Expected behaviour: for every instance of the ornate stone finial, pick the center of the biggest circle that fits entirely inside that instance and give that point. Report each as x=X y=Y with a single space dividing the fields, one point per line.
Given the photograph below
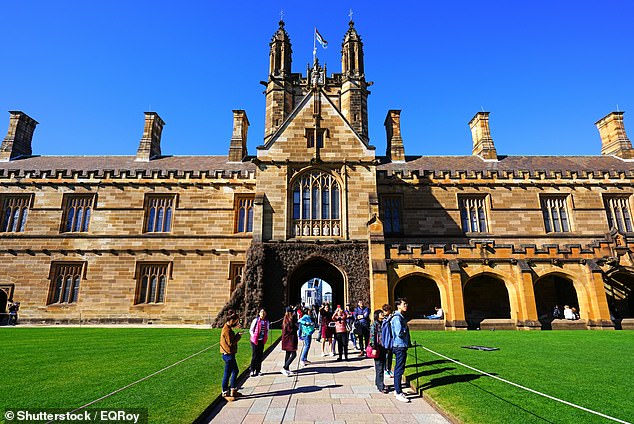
x=317 y=75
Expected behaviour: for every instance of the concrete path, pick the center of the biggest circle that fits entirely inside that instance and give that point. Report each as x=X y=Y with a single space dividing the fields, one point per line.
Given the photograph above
x=326 y=391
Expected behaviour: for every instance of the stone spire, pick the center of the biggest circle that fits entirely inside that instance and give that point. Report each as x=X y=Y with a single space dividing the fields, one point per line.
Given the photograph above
x=614 y=140
x=279 y=94
x=19 y=136
x=354 y=92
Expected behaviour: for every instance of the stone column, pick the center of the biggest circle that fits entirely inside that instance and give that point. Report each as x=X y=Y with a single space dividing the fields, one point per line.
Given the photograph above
x=455 y=319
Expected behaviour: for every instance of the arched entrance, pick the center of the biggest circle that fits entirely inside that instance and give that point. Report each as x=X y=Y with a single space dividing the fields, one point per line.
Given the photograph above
x=552 y=290
x=422 y=295
x=3 y=301
x=320 y=269
x=485 y=296
x=619 y=289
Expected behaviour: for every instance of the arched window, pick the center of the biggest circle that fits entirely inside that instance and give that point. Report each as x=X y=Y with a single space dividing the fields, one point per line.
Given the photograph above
x=316 y=203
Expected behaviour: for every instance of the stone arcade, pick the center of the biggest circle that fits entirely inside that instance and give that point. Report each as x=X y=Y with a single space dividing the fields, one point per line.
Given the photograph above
x=497 y=241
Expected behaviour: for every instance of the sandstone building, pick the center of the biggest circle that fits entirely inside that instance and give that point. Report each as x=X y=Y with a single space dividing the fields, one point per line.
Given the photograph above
x=493 y=239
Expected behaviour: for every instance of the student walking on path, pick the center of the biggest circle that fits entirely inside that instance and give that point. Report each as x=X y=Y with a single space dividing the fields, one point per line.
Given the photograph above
x=400 y=343
x=306 y=329
x=341 y=319
x=377 y=345
x=259 y=332
x=289 y=340
x=228 y=348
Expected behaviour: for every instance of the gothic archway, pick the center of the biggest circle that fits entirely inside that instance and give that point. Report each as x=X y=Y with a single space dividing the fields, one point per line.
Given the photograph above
x=619 y=290
x=422 y=294
x=551 y=290
x=321 y=269
x=3 y=301
x=485 y=296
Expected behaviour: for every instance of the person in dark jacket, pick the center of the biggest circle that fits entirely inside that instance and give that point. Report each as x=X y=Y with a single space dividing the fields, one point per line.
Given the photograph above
x=289 y=340
x=377 y=344
x=362 y=325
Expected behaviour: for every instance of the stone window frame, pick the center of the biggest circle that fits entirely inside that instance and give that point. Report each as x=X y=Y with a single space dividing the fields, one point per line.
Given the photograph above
x=166 y=201
x=14 y=202
x=552 y=202
x=483 y=209
x=319 y=133
x=145 y=294
x=236 y=274
x=621 y=204
x=384 y=215
x=65 y=282
x=243 y=202
x=336 y=227
x=84 y=202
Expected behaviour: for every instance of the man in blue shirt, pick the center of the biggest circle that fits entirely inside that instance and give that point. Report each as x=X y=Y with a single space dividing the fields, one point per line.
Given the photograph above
x=362 y=327
x=400 y=343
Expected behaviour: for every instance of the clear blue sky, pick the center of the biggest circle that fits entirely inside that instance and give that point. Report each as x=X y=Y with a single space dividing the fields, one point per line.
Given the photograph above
x=546 y=70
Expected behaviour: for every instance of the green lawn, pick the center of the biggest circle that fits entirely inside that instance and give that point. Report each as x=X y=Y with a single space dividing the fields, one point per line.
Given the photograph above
x=69 y=367
x=593 y=369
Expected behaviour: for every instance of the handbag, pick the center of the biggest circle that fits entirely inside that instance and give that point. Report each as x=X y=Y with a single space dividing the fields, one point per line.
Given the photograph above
x=371 y=352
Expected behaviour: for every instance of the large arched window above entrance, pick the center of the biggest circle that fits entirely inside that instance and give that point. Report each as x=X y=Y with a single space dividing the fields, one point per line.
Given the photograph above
x=316 y=205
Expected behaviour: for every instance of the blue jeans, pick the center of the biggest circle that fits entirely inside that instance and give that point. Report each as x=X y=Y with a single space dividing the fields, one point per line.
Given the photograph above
x=231 y=369
x=307 y=340
x=400 y=356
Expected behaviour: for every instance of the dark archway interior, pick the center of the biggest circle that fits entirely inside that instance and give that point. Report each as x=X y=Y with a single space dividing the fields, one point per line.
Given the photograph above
x=422 y=295
x=619 y=289
x=3 y=301
x=485 y=297
x=553 y=290
x=316 y=268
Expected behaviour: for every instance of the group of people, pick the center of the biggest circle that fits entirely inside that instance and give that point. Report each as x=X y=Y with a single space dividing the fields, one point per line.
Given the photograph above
x=384 y=338
x=568 y=313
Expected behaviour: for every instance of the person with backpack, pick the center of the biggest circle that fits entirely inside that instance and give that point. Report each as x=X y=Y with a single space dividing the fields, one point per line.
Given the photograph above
x=400 y=344
x=376 y=343
x=259 y=332
x=386 y=336
x=306 y=328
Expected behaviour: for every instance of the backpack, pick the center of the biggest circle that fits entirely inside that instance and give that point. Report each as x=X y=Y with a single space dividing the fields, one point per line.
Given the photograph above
x=386 y=333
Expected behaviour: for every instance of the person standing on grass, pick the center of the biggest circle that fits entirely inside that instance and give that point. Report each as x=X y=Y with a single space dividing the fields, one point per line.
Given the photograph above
x=377 y=344
x=362 y=325
x=341 y=319
x=400 y=343
x=387 y=318
x=289 y=340
x=228 y=348
x=306 y=328
x=259 y=332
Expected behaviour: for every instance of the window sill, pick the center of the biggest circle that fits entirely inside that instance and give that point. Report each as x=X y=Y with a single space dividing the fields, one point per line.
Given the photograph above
x=54 y=306
x=148 y=305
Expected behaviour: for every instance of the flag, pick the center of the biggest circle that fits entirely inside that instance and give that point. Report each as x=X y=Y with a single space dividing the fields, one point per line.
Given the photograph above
x=320 y=39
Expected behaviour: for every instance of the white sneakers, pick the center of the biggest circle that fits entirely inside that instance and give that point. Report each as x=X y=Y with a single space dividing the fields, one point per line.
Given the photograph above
x=287 y=373
x=302 y=363
x=324 y=354
x=401 y=398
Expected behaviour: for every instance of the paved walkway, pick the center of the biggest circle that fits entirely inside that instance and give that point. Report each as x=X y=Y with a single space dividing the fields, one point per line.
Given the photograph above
x=326 y=391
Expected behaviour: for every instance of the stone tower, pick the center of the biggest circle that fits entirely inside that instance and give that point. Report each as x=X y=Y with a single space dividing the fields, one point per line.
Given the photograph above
x=279 y=93
x=354 y=92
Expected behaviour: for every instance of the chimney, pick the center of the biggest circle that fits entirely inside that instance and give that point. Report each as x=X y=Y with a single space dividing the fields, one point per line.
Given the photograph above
x=18 y=140
x=482 y=142
x=614 y=141
x=150 y=146
x=395 y=150
x=238 y=146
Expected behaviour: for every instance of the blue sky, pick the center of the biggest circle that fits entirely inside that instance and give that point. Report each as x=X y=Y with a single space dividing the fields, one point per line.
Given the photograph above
x=546 y=70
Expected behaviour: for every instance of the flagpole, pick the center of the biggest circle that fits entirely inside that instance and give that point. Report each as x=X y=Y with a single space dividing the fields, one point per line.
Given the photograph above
x=314 y=45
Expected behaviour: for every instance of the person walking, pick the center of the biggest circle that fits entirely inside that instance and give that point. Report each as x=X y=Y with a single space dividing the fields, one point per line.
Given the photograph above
x=362 y=325
x=306 y=329
x=377 y=345
x=387 y=318
x=400 y=343
x=289 y=340
x=259 y=332
x=326 y=330
x=341 y=319
x=228 y=348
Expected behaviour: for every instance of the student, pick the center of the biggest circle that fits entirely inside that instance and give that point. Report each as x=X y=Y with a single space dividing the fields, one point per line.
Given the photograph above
x=289 y=340
x=228 y=348
x=377 y=344
x=259 y=331
x=575 y=313
x=400 y=343
x=557 y=313
x=14 y=308
x=568 y=313
x=387 y=317
x=341 y=318
x=438 y=315
x=306 y=328
x=362 y=315
x=326 y=330
x=350 y=313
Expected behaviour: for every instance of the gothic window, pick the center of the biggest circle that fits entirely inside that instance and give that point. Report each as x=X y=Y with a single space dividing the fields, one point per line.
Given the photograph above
x=310 y=135
x=391 y=207
x=65 y=281
x=77 y=213
x=244 y=214
x=316 y=205
x=159 y=210
x=472 y=214
x=151 y=283
x=236 y=271
x=618 y=211
x=14 y=213
x=555 y=214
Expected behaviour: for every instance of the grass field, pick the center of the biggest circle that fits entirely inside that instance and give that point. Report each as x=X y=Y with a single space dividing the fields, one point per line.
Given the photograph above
x=593 y=369
x=69 y=367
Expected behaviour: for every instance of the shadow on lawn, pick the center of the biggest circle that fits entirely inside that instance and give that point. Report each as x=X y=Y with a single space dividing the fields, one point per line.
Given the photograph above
x=428 y=363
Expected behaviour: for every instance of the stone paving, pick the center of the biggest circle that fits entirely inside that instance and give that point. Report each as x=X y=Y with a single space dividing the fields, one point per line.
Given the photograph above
x=326 y=391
